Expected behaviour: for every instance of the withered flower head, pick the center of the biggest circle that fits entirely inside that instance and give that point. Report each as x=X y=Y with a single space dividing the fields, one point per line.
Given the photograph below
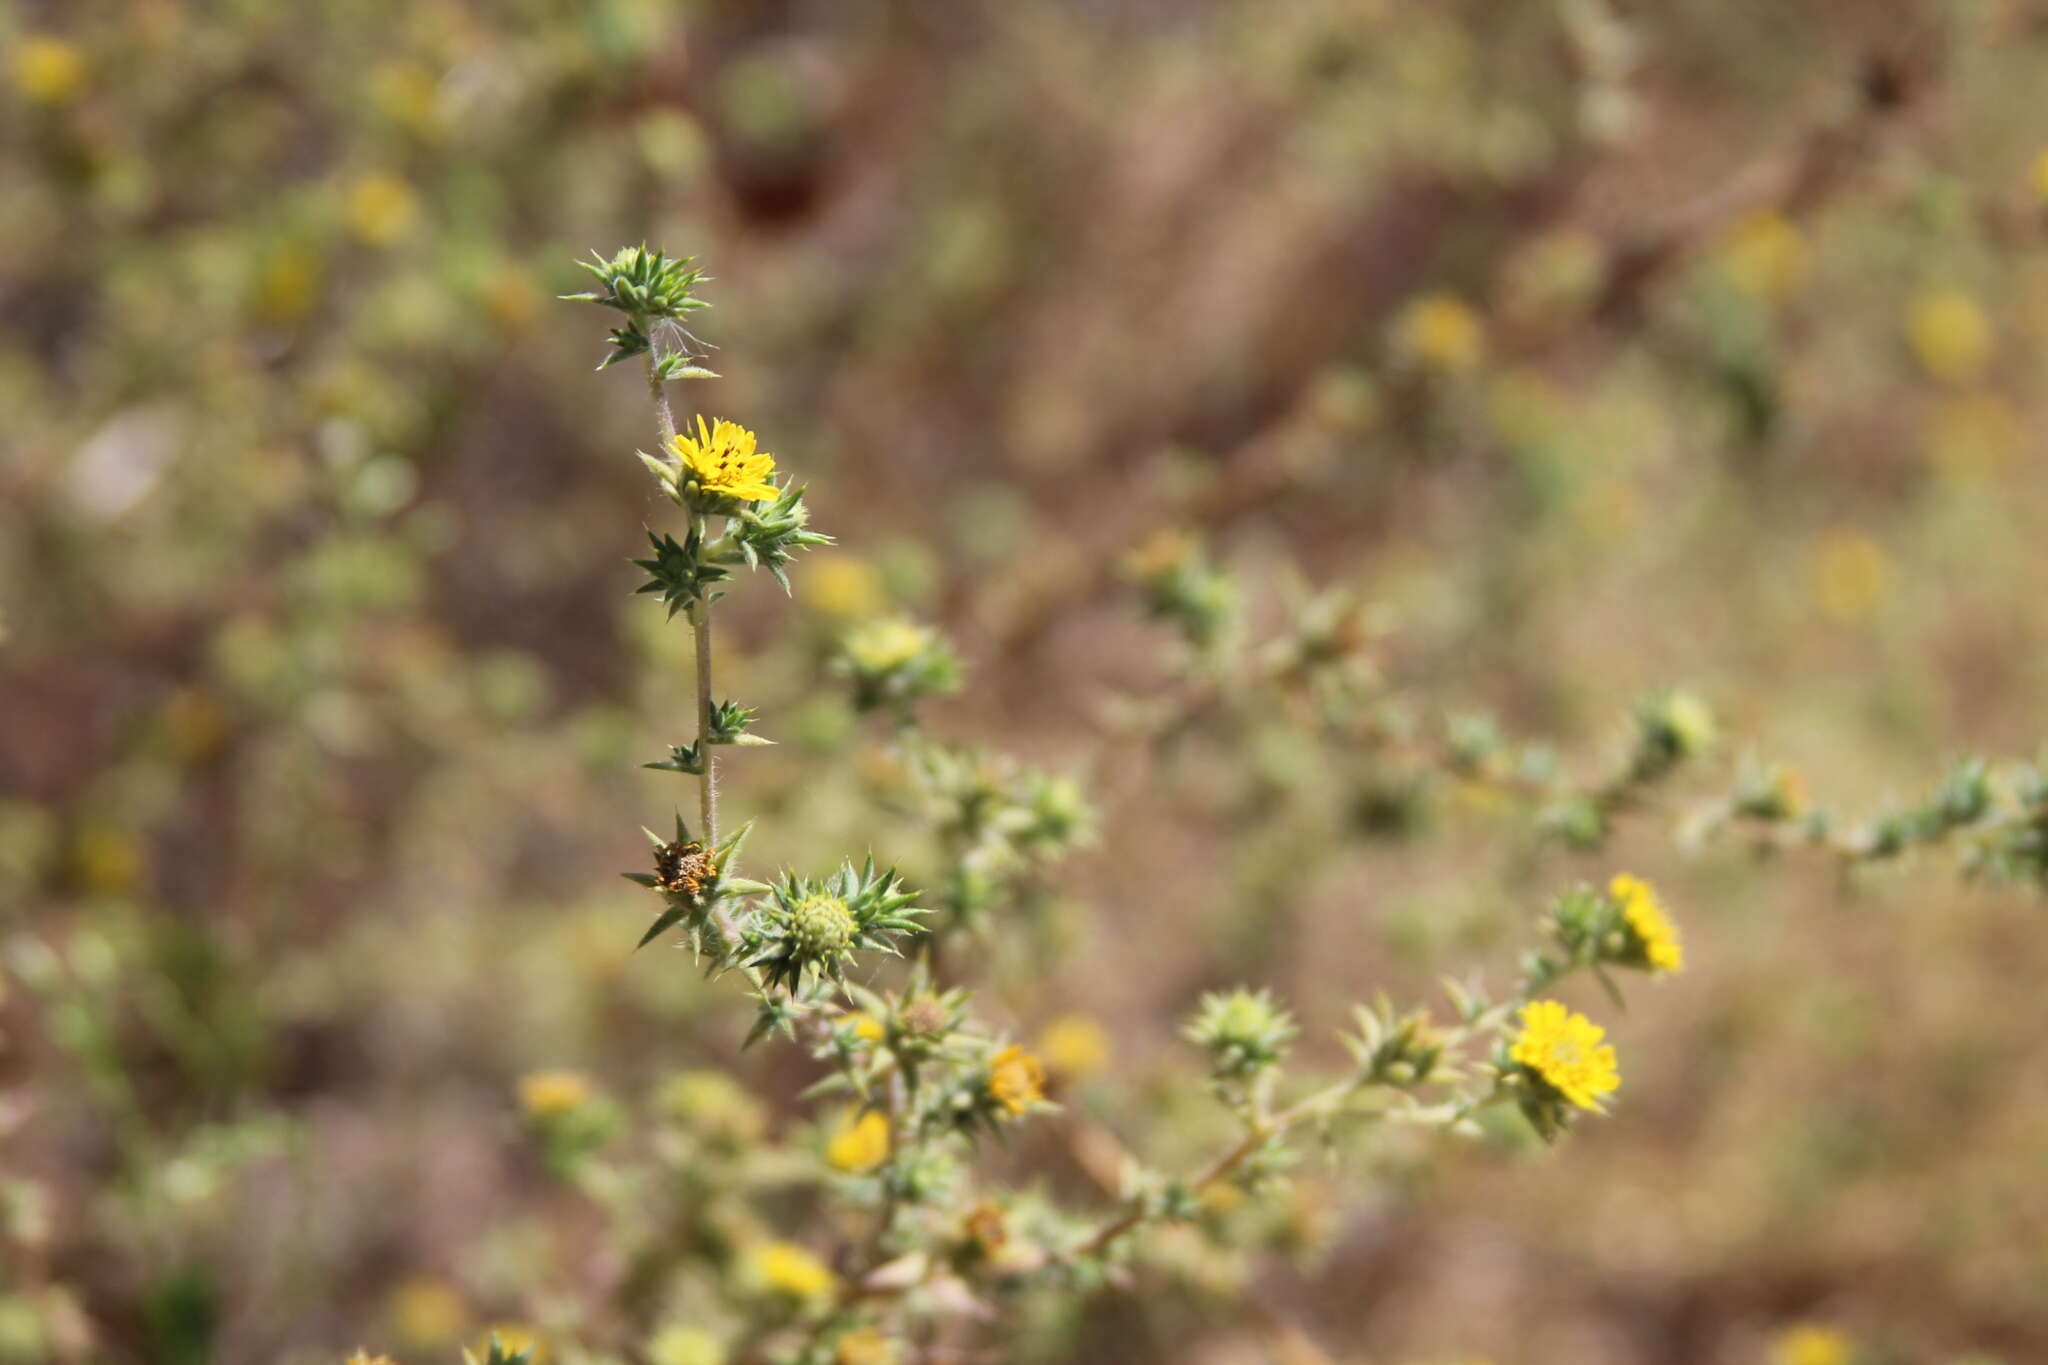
x=683 y=869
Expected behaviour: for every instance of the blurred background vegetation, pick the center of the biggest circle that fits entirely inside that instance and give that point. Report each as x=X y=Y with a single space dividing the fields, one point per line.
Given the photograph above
x=1601 y=345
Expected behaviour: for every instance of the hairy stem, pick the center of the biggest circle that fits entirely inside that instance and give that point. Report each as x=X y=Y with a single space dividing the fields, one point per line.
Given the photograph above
x=1323 y=1101
x=700 y=620
x=662 y=412
x=707 y=781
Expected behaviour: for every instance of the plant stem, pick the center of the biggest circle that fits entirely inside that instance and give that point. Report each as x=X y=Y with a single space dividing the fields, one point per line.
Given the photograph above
x=1321 y=1101
x=662 y=413
x=707 y=788
x=700 y=620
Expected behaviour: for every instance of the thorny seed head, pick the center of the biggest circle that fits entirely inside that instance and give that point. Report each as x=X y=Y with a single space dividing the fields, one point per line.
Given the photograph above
x=926 y=1017
x=821 y=926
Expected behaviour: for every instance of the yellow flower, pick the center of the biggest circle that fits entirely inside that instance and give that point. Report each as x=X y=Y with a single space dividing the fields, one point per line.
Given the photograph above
x=1160 y=555
x=1949 y=334
x=861 y=1143
x=986 y=1227
x=427 y=1313
x=547 y=1094
x=679 y=1345
x=723 y=461
x=194 y=725
x=1811 y=1344
x=1565 y=1050
x=865 y=1026
x=515 y=1337
x=288 y=283
x=108 y=859
x=845 y=586
x=362 y=1357
x=1766 y=257
x=47 y=70
x=1690 y=721
x=407 y=93
x=1222 y=1197
x=1075 y=1045
x=381 y=209
x=864 y=1347
x=2037 y=175
x=1646 y=917
x=1849 y=575
x=786 y=1269
x=890 y=643
x=1557 y=274
x=1016 y=1080
x=1442 y=333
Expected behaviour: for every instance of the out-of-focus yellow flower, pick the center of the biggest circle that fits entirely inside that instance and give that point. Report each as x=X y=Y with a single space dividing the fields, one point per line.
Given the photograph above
x=1442 y=333
x=722 y=459
x=362 y=1357
x=2037 y=175
x=1016 y=1079
x=861 y=1142
x=511 y=297
x=1850 y=575
x=549 y=1094
x=1074 y=1046
x=865 y=1026
x=1160 y=554
x=288 y=282
x=1220 y=1196
x=1344 y=400
x=844 y=585
x=1788 y=788
x=1811 y=1344
x=1646 y=917
x=107 y=859
x=1565 y=1049
x=878 y=646
x=427 y=1314
x=516 y=1337
x=1949 y=333
x=47 y=70
x=679 y=1345
x=1557 y=274
x=987 y=1227
x=1765 y=256
x=864 y=1347
x=714 y=1103
x=193 y=725
x=1691 y=722
x=786 y=1270
x=1974 y=435
x=381 y=209
x=407 y=92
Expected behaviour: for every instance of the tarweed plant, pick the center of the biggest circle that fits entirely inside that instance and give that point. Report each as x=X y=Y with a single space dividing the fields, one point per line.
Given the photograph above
x=892 y=1221
x=916 y=1245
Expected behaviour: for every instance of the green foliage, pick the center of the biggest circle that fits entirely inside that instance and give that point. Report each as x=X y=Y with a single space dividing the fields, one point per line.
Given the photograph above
x=650 y=288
